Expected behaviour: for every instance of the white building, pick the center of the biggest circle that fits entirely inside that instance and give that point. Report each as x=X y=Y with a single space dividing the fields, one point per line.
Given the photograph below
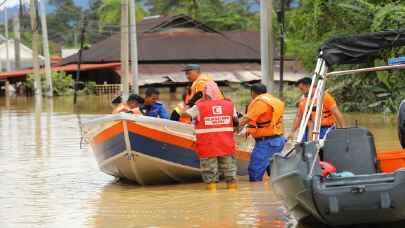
x=25 y=53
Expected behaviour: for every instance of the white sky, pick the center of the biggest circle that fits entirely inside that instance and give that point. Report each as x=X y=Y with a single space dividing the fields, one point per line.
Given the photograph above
x=11 y=3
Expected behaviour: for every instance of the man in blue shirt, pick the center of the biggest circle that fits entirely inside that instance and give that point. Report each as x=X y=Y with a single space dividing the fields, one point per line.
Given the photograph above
x=152 y=107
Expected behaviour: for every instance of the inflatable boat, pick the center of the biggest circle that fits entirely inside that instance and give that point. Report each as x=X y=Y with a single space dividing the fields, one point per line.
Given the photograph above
x=401 y=124
x=368 y=195
x=147 y=150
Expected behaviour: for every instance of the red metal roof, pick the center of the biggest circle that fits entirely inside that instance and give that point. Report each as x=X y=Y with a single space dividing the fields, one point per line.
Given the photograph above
x=66 y=68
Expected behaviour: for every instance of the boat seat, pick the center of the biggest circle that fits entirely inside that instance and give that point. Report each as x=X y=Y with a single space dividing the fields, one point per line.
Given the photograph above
x=351 y=149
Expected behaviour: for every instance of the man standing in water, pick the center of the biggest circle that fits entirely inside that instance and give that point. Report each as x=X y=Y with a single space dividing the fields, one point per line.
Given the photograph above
x=152 y=107
x=264 y=120
x=331 y=115
x=215 y=142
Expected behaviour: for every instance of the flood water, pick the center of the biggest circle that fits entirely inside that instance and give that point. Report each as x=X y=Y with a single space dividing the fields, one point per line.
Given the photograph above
x=48 y=180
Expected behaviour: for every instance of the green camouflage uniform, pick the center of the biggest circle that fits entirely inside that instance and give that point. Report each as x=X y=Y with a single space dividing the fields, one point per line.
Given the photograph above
x=212 y=168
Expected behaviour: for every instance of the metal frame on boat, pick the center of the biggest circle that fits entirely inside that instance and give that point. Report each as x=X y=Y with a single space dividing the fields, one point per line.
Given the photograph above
x=367 y=197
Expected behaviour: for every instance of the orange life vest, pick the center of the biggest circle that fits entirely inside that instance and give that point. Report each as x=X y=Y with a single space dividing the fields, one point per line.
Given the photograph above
x=198 y=85
x=327 y=117
x=124 y=108
x=271 y=122
x=183 y=118
x=214 y=128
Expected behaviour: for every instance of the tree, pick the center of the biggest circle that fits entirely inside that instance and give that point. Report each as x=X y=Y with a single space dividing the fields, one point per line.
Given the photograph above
x=319 y=20
x=218 y=14
x=64 y=21
x=109 y=12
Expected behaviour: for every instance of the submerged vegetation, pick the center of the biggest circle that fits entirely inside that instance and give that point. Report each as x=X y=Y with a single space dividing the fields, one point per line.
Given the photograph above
x=62 y=85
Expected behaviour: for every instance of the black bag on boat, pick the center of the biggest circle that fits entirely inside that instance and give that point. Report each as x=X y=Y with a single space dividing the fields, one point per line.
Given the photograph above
x=351 y=149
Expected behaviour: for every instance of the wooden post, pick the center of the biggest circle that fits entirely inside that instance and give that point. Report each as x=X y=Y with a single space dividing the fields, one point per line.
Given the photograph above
x=124 y=49
x=7 y=88
x=35 y=60
x=134 y=48
x=48 y=72
x=266 y=12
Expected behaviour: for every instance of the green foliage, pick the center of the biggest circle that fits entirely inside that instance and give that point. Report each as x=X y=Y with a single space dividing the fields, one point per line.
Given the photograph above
x=218 y=14
x=61 y=82
x=319 y=20
x=109 y=12
x=89 y=88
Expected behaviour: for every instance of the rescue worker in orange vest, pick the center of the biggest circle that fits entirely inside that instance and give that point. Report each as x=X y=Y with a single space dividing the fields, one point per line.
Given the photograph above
x=264 y=120
x=180 y=107
x=215 y=143
x=193 y=74
x=331 y=115
x=131 y=106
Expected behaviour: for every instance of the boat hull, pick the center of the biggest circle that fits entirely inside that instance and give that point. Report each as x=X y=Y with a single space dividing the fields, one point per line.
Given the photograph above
x=401 y=124
x=148 y=150
x=373 y=198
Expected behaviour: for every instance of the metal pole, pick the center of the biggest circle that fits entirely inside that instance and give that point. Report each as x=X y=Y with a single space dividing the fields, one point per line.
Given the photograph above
x=124 y=49
x=266 y=11
x=77 y=80
x=134 y=48
x=8 y=65
x=48 y=72
x=17 y=41
x=35 y=61
x=282 y=37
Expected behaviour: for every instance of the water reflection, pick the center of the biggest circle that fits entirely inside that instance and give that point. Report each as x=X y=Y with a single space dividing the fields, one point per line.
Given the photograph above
x=47 y=180
x=187 y=205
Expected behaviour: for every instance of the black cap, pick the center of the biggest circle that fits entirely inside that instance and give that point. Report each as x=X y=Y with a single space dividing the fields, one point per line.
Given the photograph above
x=191 y=67
x=136 y=97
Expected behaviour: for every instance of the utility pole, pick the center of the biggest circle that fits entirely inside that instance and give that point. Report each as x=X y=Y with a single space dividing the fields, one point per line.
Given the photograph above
x=17 y=41
x=17 y=37
x=35 y=60
x=266 y=12
x=48 y=72
x=281 y=18
x=124 y=49
x=8 y=65
x=134 y=48
x=79 y=64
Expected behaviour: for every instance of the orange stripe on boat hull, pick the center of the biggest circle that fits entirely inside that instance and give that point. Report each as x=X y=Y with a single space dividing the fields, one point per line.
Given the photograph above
x=108 y=133
x=117 y=129
x=161 y=136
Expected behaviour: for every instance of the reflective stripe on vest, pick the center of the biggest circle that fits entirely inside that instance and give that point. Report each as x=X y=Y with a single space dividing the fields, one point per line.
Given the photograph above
x=211 y=130
x=214 y=128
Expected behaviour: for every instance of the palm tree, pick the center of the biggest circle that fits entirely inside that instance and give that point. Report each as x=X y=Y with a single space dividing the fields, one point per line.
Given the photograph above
x=109 y=12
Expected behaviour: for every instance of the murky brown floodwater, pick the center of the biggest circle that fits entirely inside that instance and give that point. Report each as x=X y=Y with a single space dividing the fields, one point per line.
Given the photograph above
x=47 y=180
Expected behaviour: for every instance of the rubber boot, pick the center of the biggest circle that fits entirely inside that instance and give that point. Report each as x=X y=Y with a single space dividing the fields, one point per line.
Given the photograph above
x=212 y=186
x=232 y=185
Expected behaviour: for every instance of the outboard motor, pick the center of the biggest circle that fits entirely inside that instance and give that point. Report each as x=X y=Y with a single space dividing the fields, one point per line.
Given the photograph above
x=401 y=123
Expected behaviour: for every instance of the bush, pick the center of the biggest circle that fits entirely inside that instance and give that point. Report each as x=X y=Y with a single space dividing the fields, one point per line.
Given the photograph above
x=61 y=82
x=89 y=88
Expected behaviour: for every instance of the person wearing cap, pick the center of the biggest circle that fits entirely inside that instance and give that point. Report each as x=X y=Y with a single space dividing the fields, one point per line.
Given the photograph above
x=331 y=115
x=130 y=106
x=264 y=121
x=215 y=120
x=152 y=106
x=199 y=80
